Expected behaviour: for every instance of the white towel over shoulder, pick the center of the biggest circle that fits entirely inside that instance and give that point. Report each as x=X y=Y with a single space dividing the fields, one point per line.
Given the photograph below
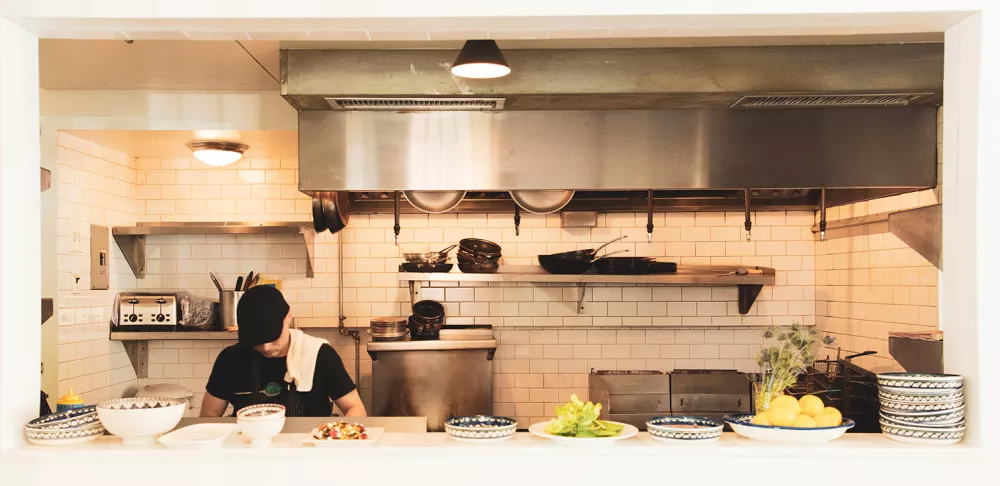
x=301 y=359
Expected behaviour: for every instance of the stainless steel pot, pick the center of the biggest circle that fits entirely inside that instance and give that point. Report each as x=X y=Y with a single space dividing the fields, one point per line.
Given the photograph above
x=542 y=202
x=434 y=201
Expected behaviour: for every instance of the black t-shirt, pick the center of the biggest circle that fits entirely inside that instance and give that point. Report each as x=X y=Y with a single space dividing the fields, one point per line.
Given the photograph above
x=232 y=380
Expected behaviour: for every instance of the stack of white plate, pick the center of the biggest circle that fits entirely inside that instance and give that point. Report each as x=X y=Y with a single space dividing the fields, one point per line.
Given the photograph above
x=922 y=408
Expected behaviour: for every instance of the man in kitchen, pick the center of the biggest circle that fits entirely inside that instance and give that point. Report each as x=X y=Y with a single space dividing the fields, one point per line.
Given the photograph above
x=273 y=363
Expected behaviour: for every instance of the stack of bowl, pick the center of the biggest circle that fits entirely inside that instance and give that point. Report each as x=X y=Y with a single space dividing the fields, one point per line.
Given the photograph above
x=921 y=408
x=65 y=428
x=387 y=328
x=261 y=423
x=426 y=321
x=478 y=256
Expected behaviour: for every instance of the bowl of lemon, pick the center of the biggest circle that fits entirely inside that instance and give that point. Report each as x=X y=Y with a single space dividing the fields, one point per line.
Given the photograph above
x=790 y=420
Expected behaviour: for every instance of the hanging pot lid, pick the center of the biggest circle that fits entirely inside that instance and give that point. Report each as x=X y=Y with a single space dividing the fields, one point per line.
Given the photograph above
x=542 y=201
x=434 y=202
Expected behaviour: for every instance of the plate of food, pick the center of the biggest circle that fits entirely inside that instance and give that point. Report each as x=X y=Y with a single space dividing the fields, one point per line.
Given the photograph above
x=336 y=434
x=577 y=423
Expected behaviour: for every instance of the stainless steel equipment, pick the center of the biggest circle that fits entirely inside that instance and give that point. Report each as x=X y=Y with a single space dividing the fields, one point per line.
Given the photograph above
x=433 y=379
x=145 y=312
x=100 y=244
x=710 y=393
x=618 y=149
x=434 y=202
x=636 y=396
x=542 y=202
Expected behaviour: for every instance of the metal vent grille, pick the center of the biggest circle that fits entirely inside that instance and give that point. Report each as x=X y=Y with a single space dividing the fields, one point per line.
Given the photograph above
x=416 y=104
x=827 y=100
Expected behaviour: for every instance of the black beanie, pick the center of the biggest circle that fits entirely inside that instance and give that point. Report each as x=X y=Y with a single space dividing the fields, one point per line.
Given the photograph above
x=260 y=315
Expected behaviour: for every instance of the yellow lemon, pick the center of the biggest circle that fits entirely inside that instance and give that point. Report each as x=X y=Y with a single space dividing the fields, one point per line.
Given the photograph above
x=786 y=402
x=829 y=417
x=811 y=405
x=761 y=419
x=804 y=421
x=780 y=416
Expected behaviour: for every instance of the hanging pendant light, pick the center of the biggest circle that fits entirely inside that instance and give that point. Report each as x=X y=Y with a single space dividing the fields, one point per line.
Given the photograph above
x=217 y=153
x=480 y=59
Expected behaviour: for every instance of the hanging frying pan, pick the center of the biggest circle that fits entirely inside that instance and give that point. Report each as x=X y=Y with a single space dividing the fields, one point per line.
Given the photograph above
x=331 y=210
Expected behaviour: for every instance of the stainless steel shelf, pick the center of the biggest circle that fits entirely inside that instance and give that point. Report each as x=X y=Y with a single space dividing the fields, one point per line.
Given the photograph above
x=132 y=239
x=432 y=345
x=749 y=284
x=189 y=335
x=686 y=275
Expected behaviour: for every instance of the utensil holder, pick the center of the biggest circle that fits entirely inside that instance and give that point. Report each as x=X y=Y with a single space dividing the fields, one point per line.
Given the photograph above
x=228 y=300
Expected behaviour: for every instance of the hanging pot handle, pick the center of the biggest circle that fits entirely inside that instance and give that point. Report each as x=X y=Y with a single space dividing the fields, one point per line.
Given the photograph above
x=608 y=254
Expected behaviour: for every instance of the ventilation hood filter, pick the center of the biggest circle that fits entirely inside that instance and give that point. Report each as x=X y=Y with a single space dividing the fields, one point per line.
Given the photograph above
x=415 y=104
x=827 y=100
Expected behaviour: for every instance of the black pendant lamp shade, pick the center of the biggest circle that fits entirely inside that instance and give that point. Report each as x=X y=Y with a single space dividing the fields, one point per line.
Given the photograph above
x=480 y=59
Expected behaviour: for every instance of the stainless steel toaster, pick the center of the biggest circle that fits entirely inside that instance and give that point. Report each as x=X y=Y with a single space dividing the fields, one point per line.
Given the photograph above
x=144 y=312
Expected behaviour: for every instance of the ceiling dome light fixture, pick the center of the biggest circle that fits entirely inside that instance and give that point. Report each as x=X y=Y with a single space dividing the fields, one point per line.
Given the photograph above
x=480 y=59
x=217 y=153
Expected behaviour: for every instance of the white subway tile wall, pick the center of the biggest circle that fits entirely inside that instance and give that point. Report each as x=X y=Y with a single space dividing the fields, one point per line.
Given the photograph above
x=94 y=185
x=869 y=283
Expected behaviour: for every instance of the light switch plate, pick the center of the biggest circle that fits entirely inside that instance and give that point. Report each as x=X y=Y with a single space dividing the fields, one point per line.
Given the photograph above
x=100 y=255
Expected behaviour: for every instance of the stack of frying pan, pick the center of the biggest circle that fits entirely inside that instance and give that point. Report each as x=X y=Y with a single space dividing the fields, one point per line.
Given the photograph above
x=581 y=261
x=426 y=321
x=331 y=210
x=478 y=256
x=431 y=261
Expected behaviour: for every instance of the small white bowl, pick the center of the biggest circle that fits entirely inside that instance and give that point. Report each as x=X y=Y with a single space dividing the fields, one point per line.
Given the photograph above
x=140 y=420
x=261 y=423
x=684 y=429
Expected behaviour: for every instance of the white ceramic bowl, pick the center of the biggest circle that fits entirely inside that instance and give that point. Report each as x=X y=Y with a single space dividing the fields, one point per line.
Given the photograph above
x=140 y=420
x=920 y=381
x=923 y=435
x=743 y=425
x=480 y=428
x=684 y=429
x=261 y=423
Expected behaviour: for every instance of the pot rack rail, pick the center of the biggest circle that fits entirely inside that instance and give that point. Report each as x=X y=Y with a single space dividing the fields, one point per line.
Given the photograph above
x=749 y=284
x=132 y=239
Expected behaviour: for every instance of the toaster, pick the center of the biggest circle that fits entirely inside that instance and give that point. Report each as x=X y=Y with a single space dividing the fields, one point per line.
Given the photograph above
x=146 y=312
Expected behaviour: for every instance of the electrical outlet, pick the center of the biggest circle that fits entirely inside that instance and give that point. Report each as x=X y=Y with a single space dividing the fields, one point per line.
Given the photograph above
x=75 y=284
x=75 y=242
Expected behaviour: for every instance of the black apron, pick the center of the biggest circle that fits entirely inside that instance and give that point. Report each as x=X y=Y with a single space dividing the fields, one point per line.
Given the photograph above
x=289 y=397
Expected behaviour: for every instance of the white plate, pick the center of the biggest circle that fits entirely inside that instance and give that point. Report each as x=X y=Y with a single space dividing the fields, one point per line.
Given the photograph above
x=63 y=442
x=198 y=436
x=539 y=430
x=742 y=425
x=374 y=434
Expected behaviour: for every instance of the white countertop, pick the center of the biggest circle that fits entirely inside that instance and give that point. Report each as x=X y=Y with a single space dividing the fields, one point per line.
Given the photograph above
x=434 y=458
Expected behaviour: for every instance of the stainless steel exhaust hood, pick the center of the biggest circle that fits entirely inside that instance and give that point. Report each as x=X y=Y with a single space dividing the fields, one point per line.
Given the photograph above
x=619 y=119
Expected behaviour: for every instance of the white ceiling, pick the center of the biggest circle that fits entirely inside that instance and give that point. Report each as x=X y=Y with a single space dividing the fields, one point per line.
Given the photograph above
x=251 y=65
x=171 y=143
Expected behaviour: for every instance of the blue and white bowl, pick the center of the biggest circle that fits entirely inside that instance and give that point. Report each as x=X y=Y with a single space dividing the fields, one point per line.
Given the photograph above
x=70 y=419
x=920 y=381
x=684 y=429
x=922 y=434
x=66 y=436
x=897 y=407
x=920 y=396
x=930 y=419
x=480 y=428
x=743 y=425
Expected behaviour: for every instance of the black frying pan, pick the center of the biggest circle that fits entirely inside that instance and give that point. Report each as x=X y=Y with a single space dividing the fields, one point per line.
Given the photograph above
x=567 y=264
x=331 y=210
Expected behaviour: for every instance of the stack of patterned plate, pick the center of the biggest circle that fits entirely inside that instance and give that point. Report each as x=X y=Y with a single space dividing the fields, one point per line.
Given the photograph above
x=922 y=408
x=388 y=328
x=65 y=428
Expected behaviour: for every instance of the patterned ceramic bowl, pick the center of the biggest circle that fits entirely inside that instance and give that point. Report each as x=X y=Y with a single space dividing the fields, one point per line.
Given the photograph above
x=908 y=396
x=933 y=418
x=63 y=437
x=923 y=381
x=141 y=420
x=70 y=419
x=480 y=428
x=896 y=407
x=923 y=435
x=684 y=429
x=262 y=412
x=743 y=425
